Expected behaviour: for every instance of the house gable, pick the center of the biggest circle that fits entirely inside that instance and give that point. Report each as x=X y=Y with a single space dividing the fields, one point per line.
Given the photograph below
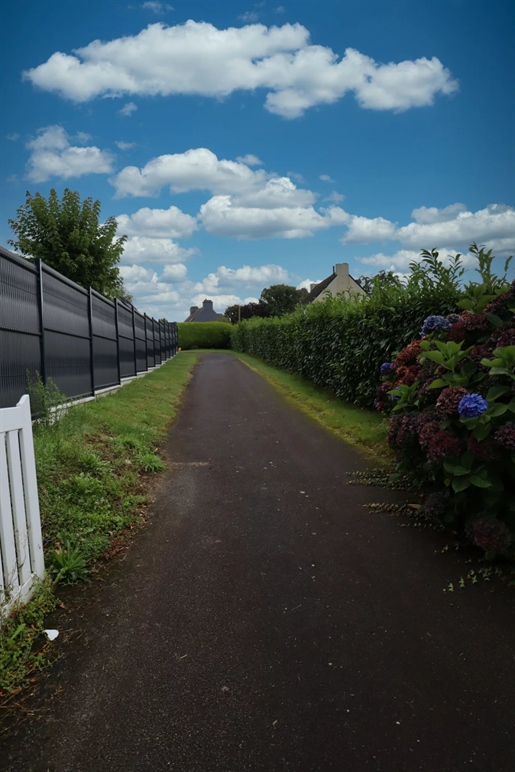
x=339 y=281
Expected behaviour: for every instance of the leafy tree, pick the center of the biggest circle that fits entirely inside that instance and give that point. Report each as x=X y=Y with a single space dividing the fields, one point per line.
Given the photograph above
x=282 y=299
x=68 y=237
x=381 y=279
x=247 y=311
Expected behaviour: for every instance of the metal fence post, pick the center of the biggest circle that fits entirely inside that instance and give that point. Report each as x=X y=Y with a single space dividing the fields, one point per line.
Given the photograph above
x=117 y=340
x=91 y=360
x=39 y=266
x=134 y=336
x=146 y=341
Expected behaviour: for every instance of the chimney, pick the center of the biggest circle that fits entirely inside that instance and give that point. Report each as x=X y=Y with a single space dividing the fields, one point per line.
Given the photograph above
x=342 y=269
x=207 y=304
x=193 y=309
x=312 y=287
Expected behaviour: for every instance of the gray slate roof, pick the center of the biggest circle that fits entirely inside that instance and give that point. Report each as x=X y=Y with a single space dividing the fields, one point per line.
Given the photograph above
x=205 y=314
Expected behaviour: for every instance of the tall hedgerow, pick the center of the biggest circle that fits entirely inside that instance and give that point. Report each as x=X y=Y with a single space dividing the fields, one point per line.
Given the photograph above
x=194 y=335
x=340 y=343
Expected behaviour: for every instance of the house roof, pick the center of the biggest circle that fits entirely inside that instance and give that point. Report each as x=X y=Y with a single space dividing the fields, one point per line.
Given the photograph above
x=206 y=313
x=323 y=285
x=319 y=288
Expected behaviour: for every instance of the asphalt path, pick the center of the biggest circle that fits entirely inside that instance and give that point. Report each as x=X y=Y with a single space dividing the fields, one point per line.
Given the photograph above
x=265 y=620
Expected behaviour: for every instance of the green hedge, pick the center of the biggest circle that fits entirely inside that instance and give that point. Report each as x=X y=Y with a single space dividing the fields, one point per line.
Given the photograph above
x=340 y=343
x=204 y=335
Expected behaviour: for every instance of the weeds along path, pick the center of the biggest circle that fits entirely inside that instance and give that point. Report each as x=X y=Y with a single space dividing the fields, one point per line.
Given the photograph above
x=266 y=621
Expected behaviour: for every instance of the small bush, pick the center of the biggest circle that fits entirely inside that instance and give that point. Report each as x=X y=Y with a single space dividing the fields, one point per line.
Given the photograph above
x=193 y=335
x=45 y=399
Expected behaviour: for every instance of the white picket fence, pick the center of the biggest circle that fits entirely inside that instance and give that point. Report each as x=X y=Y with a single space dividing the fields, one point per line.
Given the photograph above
x=21 y=547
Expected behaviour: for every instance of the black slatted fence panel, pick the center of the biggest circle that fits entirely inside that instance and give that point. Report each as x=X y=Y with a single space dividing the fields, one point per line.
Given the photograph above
x=157 y=342
x=20 y=334
x=141 y=342
x=105 y=345
x=126 y=342
x=76 y=337
x=150 y=341
x=66 y=334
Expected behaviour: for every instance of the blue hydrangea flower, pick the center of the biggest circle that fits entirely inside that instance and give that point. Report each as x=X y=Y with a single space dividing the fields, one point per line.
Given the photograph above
x=472 y=405
x=386 y=367
x=434 y=324
x=453 y=318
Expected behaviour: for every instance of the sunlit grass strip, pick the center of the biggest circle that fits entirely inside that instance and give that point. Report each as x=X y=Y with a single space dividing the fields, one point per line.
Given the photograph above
x=365 y=429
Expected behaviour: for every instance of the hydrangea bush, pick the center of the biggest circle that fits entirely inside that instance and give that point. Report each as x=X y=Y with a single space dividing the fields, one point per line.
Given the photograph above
x=451 y=399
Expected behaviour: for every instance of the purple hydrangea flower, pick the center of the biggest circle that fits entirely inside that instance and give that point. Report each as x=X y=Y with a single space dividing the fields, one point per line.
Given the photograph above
x=434 y=324
x=505 y=436
x=489 y=534
x=453 y=318
x=386 y=367
x=472 y=405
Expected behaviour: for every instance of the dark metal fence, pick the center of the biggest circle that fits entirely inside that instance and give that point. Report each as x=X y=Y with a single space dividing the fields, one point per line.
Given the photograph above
x=78 y=338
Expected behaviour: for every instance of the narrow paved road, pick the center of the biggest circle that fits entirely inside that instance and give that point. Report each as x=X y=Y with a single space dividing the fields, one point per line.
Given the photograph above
x=266 y=621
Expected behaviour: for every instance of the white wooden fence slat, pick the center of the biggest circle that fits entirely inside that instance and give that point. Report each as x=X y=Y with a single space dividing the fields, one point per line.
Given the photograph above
x=21 y=541
x=18 y=506
x=10 y=418
x=30 y=486
x=7 y=542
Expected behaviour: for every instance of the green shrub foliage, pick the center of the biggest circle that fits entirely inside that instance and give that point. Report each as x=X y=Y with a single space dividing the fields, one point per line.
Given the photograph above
x=204 y=335
x=340 y=343
x=451 y=396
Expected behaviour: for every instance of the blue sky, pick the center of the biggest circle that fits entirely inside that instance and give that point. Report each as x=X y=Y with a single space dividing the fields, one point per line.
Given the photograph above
x=244 y=144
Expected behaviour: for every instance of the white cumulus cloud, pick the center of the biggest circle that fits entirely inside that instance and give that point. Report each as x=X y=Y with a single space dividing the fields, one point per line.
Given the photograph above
x=53 y=155
x=250 y=160
x=399 y=261
x=197 y=58
x=426 y=215
x=176 y=272
x=362 y=230
x=170 y=293
x=276 y=193
x=169 y=223
x=145 y=249
x=157 y=7
x=453 y=226
x=128 y=109
x=336 y=197
x=124 y=145
x=195 y=169
x=249 y=17
x=262 y=275
x=222 y=217
x=306 y=284
x=151 y=295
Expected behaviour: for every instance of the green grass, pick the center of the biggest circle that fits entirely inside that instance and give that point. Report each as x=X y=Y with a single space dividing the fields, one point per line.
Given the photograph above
x=365 y=429
x=90 y=468
x=90 y=463
x=24 y=649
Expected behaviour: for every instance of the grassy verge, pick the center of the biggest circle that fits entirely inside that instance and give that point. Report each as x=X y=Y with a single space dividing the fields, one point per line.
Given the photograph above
x=90 y=467
x=363 y=428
